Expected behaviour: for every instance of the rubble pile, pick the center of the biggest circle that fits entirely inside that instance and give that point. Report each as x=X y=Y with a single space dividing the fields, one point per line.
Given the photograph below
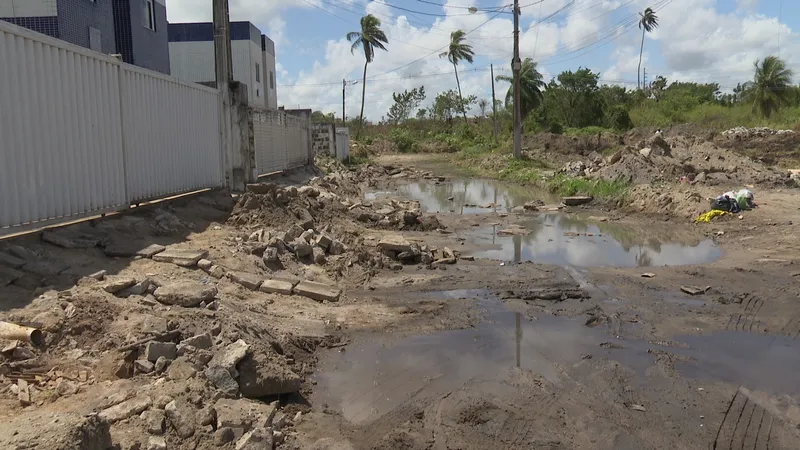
x=745 y=133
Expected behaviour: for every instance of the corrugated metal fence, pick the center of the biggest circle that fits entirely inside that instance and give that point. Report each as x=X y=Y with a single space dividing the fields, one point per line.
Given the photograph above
x=282 y=140
x=82 y=133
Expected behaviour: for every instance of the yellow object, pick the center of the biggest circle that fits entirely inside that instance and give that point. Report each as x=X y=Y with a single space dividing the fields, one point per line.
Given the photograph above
x=706 y=217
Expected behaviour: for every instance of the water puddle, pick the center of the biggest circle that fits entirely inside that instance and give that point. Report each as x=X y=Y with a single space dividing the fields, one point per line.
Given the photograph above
x=565 y=239
x=467 y=196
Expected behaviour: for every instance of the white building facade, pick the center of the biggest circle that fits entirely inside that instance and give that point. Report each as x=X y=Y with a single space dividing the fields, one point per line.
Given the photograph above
x=191 y=50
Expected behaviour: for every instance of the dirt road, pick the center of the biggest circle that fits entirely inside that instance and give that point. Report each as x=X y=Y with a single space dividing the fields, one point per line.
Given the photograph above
x=404 y=307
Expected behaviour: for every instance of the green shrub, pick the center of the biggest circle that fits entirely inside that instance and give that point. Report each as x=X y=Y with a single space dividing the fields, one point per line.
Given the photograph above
x=556 y=128
x=402 y=140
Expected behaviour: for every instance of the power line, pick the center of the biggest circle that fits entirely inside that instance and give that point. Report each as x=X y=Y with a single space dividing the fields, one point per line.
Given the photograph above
x=498 y=10
x=409 y=77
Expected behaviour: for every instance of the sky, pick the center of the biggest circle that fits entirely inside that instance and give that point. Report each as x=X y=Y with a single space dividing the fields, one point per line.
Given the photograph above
x=697 y=40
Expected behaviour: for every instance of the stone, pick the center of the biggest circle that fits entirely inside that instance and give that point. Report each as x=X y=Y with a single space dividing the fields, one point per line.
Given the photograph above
x=126 y=249
x=324 y=241
x=276 y=287
x=162 y=363
x=201 y=341
x=181 y=257
x=302 y=249
x=261 y=376
x=22 y=353
x=100 y=275
x=270 y=256
x=181 y=370
x=23 y=392
x=319 y=256
x=309 y=191
x=216 y=272
x=126 y=409
x=448 y=253
x=185 y=293
x=293 y=233
x=229 y=357
x=308 y=236
x=258 y=236
x=577 y=200
x=139 y=288
x=156 y=443
x=114 y=284
x=154 y=350
x=279 y=421
x=181 y=417
x=318 y=291
x=395 y=243
x=248 y=280
x=646 y=152
x=9 y=275
x=284 y=275
x=693 y=290
x=9 y=260
x=154 y=325
x=205 y=265
x=162 y=401
x=223 y=436
x=67 y=239
x=256 y=439
x=154 y=420
x=143 y=366
x=115 y=365
x=278 y=437
x=222 y=380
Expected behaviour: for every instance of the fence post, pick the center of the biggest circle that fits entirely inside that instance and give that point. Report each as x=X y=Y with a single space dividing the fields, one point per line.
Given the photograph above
x=121 y=95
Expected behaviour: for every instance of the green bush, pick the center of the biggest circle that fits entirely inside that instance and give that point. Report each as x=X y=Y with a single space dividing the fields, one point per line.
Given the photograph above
x=402 y=140
x=556 y=128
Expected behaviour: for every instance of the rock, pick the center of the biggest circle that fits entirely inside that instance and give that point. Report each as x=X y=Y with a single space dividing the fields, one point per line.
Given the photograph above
x=139 y=288
x=318 y=291
x=143 y=366
x=694 y=290
x=256 y=439
x=126 y=249
x=309 y=191
x=531 y=206
x=302 y=249
x=282 y=197
x=208 y=417
x=223 y=436
x=278 y=437
x=185 y=293
x=279 y=421
x=244 y=414
x=336 y=248
x=613 y=159
x=23 y=392
x=181 y=370
x=319 y=256
x=205 y=265
x=661 y=146
x=156 y=443
x=99 y=275
x=648 y=275
x=114 y=284
x=217 y=272
x=395 y=243
x=229 y=357
x=577 y=200
x=448 y=253
x=22 y=354
x=162 y=363
x=261 y=188
x=646 y=152
x=65 y=388
x=324 y=241
x=154 y=350
x=154 y=420
x=181 y=257
x=260 y=376
x=126 y=409
x=293 y=233
x=66 y=239
x=181 y=417
x=60 y=430
x=308 y=236
x=276 y=287
x=162 y=401
x=271 y=256
x=701 y=177
x=248 y=280
x=115 y=365
x=201 y=341
x=222 y=380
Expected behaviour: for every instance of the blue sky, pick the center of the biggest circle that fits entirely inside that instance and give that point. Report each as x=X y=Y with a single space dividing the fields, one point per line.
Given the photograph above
x=702 y=40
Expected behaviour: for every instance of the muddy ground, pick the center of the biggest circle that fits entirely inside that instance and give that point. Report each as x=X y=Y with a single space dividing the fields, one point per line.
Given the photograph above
x=445 y=315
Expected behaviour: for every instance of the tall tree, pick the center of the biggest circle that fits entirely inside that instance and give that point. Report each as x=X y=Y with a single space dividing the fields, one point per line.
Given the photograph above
x=531 y=85
x=648 y=21
x=458 y=51
x=771 y=85
x=368 y=39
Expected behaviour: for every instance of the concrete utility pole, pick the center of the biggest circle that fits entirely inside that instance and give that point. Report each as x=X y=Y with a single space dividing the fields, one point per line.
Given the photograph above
x=224 y=70
x=494 y=107
x=516 y=64
x=644 y=79
x=344 y=116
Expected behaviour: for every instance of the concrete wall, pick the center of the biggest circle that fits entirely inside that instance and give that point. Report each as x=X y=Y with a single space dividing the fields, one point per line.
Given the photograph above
x=75 y=17
x=323 y=138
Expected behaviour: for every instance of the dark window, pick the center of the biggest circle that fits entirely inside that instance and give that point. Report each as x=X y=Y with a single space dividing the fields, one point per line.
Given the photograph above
x=258 y=73
x=271 y=80
x=149 y=15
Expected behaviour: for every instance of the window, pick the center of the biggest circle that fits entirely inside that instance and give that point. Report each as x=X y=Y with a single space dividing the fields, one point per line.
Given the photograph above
x=149 y=18
x=258 y=93
x=258 y=73
x=95 y=39
x=271 y=80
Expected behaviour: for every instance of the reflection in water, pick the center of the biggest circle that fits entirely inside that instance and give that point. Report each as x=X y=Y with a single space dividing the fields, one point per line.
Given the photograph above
x=457 y=195
x=568 y=240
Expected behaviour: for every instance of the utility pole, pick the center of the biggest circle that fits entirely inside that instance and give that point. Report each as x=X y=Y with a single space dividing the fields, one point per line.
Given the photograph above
x=644 y=79
x=344 y=116
x=223 y=66
x=494 y=106
x=516 y=65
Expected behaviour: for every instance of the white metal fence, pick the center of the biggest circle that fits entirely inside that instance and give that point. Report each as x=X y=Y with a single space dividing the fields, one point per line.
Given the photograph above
x=342 y=143
x=82 y=133
x=282 y=140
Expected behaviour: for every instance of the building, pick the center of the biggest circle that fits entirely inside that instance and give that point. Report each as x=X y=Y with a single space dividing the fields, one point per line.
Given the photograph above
x=191 y=55
x=136 y=29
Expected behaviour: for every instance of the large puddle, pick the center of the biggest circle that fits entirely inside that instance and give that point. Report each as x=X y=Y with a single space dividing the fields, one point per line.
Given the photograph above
x=367 y=381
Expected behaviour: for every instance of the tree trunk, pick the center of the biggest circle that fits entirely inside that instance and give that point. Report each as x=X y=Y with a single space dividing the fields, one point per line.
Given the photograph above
x=363 y=94
x=460 y=98
x=639 y=70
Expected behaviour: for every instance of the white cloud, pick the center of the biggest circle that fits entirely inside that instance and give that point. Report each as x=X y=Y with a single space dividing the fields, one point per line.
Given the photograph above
x=256 y=11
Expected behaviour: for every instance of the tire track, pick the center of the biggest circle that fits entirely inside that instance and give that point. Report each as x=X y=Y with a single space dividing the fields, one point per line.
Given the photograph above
x=792 y=328
x=744 y=426
x=747 y=318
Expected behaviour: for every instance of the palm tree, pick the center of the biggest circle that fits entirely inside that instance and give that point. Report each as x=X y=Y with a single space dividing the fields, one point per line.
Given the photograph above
x=648 y=21
x=531 y=84
x=368 y=39
x=770 y=86
x=459 y=51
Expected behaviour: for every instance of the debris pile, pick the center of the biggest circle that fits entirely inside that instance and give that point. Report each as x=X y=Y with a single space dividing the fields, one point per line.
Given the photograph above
x=744 y=132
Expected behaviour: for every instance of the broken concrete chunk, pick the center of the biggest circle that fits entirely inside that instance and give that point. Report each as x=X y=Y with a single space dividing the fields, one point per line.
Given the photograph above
x=185 y=293
x=222 y=380
x=181 y=417
x=395 y=243
x=162 y=363
x=201 y=341
x=205 y=264
x=256 y=439
x=324 y=241
x=309 y=191
x=261 y=188
x=126 y=409
x=67 y=239
x=693 y=290
x=181 y=370
x=216 y=272
x=125 y=249
x=143 y=366
x=271 y=256
x=293 y=232
x=248 y=280
x=260 y=376
x=156 y=443
x=24 y=393
x=308 y=236
x=154 y=419
x=318 y=291
x=319 y=256
x=229 y=357
x=114 y=284
x=276 y=287
x=139 y=288
x=302 y=249
x=181 y=257
x=155 y=350
x=99 y=275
